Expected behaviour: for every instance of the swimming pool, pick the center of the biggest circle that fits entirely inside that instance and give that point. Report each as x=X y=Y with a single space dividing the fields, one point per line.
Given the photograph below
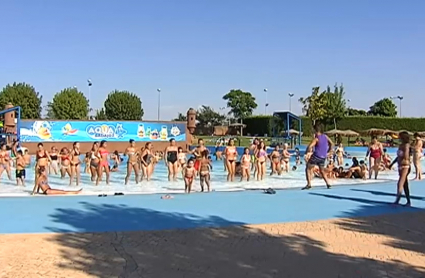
x=160 y=183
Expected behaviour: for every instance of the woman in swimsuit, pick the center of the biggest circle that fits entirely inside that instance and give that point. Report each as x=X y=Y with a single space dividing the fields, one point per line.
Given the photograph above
x=94 y=161
x=197 y=152
x=75 y=164
x=231 y=156
x=147 y=161
x=403 y=161
x=171 y=160
x=261 y=160
x=275 y=161
x=374 y=153
x=181 y=157
x=54 y=164
x=204 y=173
x=417 y=155
x=285 y=158
x=5 y=161
x=41 y=183
x=42 y=159
x=132 y=161
x=65 y=162
x=339 y=151
x=103 y=155
x=245 y=165
x=254 y=149
x=189 y=173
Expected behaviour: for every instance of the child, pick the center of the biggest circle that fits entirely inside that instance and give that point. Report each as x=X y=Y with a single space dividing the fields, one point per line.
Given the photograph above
x=246 y=164
x=181 y=157
x=189 y=173
x=27 y=158
x=297 y=156
x=204 y=170
x=20 y=168
x=87 y=161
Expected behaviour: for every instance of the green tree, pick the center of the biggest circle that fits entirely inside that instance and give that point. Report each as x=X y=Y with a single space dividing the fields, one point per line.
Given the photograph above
x=241 y=104
x=384 y=107
x=100 y=115
x=314 y=106
x=180 y=118
x=207 y=116
x=356 y=112
x=25 y=96
x=335 y=104
x=123 y=105
x=68 y=104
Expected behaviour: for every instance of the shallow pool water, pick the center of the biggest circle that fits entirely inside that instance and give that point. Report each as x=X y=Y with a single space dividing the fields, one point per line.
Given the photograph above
x=160 y=184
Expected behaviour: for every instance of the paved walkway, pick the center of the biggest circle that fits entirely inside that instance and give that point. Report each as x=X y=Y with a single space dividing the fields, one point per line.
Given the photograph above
x=388 y=246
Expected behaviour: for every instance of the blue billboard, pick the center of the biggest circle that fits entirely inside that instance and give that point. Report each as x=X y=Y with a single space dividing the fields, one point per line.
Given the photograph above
x=91 y=131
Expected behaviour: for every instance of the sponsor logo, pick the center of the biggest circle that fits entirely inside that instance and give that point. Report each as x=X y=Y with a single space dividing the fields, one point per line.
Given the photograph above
x=106 y=131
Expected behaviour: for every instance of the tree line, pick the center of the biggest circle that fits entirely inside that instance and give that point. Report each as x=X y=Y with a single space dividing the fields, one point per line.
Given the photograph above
x=71 y=104
x=328 y=106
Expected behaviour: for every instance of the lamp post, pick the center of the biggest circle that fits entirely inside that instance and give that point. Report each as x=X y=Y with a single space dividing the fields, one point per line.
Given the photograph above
x=159 y=103
x=400 y=98
x=267 y=103
x=89 y=83
x=291 y=95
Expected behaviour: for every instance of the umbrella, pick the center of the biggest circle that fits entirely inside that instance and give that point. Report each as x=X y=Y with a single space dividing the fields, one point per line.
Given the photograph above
x=334 y=132
x=408 y=132
x=421 y=134
x=374 y=131
x=349 y=133
x=390 y=132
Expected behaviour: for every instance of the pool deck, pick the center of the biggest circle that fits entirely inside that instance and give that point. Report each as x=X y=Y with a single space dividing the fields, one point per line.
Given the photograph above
x=347 y=231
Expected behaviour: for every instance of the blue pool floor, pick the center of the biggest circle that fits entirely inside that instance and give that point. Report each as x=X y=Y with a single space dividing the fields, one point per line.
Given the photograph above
x=44 y=214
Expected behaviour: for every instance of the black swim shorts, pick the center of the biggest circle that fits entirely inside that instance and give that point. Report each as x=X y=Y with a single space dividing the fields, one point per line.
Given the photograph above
x=315 y=160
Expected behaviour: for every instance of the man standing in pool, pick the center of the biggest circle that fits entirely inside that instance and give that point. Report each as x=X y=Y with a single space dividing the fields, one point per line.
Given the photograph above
x=197 y=152
x=322 y=145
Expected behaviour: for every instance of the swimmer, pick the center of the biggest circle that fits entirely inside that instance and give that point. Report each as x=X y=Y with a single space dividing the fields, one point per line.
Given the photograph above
x=374 y=152
x=54 y=163
x=75 y=164
x=275 y=161
x=182 y=158
x=297 y=156
x=171 y=160
x=42 y=159
x=5 y=161
x=65 y=162
x=339 y=151
x=285 y=158
x=116 y=158
x=189 y=173
x=20 y=169
x=41 y=183
x=132 y=161
x=103 y=155
x=403 y=161
x=204 y=171
x=94 y=161
x=27 y=158
x=245 y=165
x=417 y=155
x=197 y=152
x=261 y=160
x=146 y=159
x=231 y=157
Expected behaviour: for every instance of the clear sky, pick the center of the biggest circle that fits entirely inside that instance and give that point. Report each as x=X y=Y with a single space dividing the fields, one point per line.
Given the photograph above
x=197 y=50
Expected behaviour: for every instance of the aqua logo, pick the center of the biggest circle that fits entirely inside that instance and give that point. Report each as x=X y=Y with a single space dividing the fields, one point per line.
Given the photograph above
x=105 y=131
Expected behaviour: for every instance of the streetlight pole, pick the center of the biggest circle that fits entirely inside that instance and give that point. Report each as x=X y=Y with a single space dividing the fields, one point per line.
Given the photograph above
x=89 y=83
x=267 y=102
x=400 y=98
x=159 y=103
x=291 y=95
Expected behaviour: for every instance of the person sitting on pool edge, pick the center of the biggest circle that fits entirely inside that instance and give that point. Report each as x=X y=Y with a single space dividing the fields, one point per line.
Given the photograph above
x=41 y=183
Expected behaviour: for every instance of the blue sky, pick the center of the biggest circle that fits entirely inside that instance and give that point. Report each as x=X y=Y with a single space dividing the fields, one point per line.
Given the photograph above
x=196 y=51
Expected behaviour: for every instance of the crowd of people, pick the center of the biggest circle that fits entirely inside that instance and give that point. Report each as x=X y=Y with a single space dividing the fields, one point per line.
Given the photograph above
x=321 y=158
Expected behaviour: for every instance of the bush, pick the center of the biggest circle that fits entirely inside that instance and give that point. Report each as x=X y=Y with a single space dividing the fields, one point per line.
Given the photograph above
x=263 y=124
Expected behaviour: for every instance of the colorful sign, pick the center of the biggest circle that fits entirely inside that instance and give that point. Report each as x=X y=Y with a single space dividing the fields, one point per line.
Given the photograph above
x=91 y=131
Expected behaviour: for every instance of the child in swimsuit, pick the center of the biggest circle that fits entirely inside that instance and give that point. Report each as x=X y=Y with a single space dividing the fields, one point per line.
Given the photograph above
x=297 y=156
x=204 y=173
x=20 y=168
x=246 y=164
x=189 y=173
x=181 y=157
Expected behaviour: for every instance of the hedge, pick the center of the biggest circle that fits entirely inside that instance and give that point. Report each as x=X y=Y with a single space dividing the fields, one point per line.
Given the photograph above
x=260 y=125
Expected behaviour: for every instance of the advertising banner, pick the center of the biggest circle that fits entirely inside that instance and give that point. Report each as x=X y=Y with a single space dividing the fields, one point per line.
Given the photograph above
x=91 y=131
